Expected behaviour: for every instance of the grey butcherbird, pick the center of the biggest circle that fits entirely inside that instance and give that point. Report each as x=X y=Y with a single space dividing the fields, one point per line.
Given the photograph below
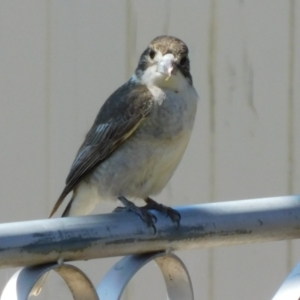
x=139 y=136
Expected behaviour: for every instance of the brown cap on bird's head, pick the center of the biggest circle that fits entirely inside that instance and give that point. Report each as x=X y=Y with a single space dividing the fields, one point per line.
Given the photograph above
x=169 y=44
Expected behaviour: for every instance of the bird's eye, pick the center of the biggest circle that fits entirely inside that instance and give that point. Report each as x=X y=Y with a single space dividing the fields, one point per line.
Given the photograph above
x=152 y=54
x=183 y=60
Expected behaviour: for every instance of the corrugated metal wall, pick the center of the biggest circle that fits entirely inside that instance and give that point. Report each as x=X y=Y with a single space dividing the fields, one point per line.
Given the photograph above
x=59 y=61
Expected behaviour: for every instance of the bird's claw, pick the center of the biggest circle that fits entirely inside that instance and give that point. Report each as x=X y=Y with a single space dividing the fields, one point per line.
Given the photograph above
x=144 y=213
x=173 y=214
x=146 y=216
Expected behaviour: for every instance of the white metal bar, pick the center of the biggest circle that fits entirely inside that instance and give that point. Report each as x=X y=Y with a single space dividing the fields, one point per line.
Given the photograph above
x=290 y=289
x=119 y=234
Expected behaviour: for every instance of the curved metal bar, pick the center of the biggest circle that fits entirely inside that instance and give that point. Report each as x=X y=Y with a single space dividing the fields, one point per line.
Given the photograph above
x=22 y=282
x=177 y=279
x=290 y=289
x=176 y=276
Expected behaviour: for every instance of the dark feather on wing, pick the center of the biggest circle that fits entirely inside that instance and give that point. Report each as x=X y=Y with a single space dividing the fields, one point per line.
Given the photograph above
x=118 y=118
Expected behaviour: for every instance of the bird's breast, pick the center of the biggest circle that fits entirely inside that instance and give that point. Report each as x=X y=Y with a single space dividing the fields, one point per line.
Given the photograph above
x=173 y=113
x=145 y=162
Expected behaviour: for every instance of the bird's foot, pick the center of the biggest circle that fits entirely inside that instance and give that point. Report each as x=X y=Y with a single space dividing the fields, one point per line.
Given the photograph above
x=173 y=214
x=142 y=212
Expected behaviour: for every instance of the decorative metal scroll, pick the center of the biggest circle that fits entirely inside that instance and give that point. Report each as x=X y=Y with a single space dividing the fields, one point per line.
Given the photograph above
x=176 y=276
x=112 y=286
x=22 y=282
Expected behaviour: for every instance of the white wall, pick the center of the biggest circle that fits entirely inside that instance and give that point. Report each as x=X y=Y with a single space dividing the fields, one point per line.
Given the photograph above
x=60 y=60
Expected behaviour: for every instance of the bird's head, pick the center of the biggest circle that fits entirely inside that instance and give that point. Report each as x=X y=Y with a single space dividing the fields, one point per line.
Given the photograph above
x=165 y=63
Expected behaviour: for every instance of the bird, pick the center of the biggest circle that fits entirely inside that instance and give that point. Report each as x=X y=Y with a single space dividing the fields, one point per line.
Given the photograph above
x=137 y=140
x=138 y=137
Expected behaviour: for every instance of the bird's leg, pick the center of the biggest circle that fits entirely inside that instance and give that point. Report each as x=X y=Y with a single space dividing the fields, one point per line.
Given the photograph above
x=142 y=212
x=168 y=211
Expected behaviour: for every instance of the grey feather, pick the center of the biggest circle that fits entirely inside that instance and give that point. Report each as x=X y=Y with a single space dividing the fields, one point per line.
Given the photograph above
x=117 y=120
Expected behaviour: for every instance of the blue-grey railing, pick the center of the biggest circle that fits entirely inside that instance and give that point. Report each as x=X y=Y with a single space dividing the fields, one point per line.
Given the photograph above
x=57 y=241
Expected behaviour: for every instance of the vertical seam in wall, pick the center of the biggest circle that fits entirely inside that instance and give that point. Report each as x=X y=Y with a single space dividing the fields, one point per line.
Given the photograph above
x=48 y=102
x=130 y=38
x=130 y=54
x=212 y=100
x=167 y=17
x=291 y=124
x=165 y=31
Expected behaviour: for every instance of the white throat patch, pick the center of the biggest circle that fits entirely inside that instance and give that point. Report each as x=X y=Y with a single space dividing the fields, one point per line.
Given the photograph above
x=152 y=77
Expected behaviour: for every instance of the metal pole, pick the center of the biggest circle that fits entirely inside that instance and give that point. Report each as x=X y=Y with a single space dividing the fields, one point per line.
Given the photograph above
x=119 y=234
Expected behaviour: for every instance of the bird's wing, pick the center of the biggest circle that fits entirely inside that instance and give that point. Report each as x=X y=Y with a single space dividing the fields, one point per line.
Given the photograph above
x=118 y=118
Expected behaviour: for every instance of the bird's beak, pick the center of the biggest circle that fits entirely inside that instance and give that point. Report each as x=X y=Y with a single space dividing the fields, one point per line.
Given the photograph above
x=167 y=65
